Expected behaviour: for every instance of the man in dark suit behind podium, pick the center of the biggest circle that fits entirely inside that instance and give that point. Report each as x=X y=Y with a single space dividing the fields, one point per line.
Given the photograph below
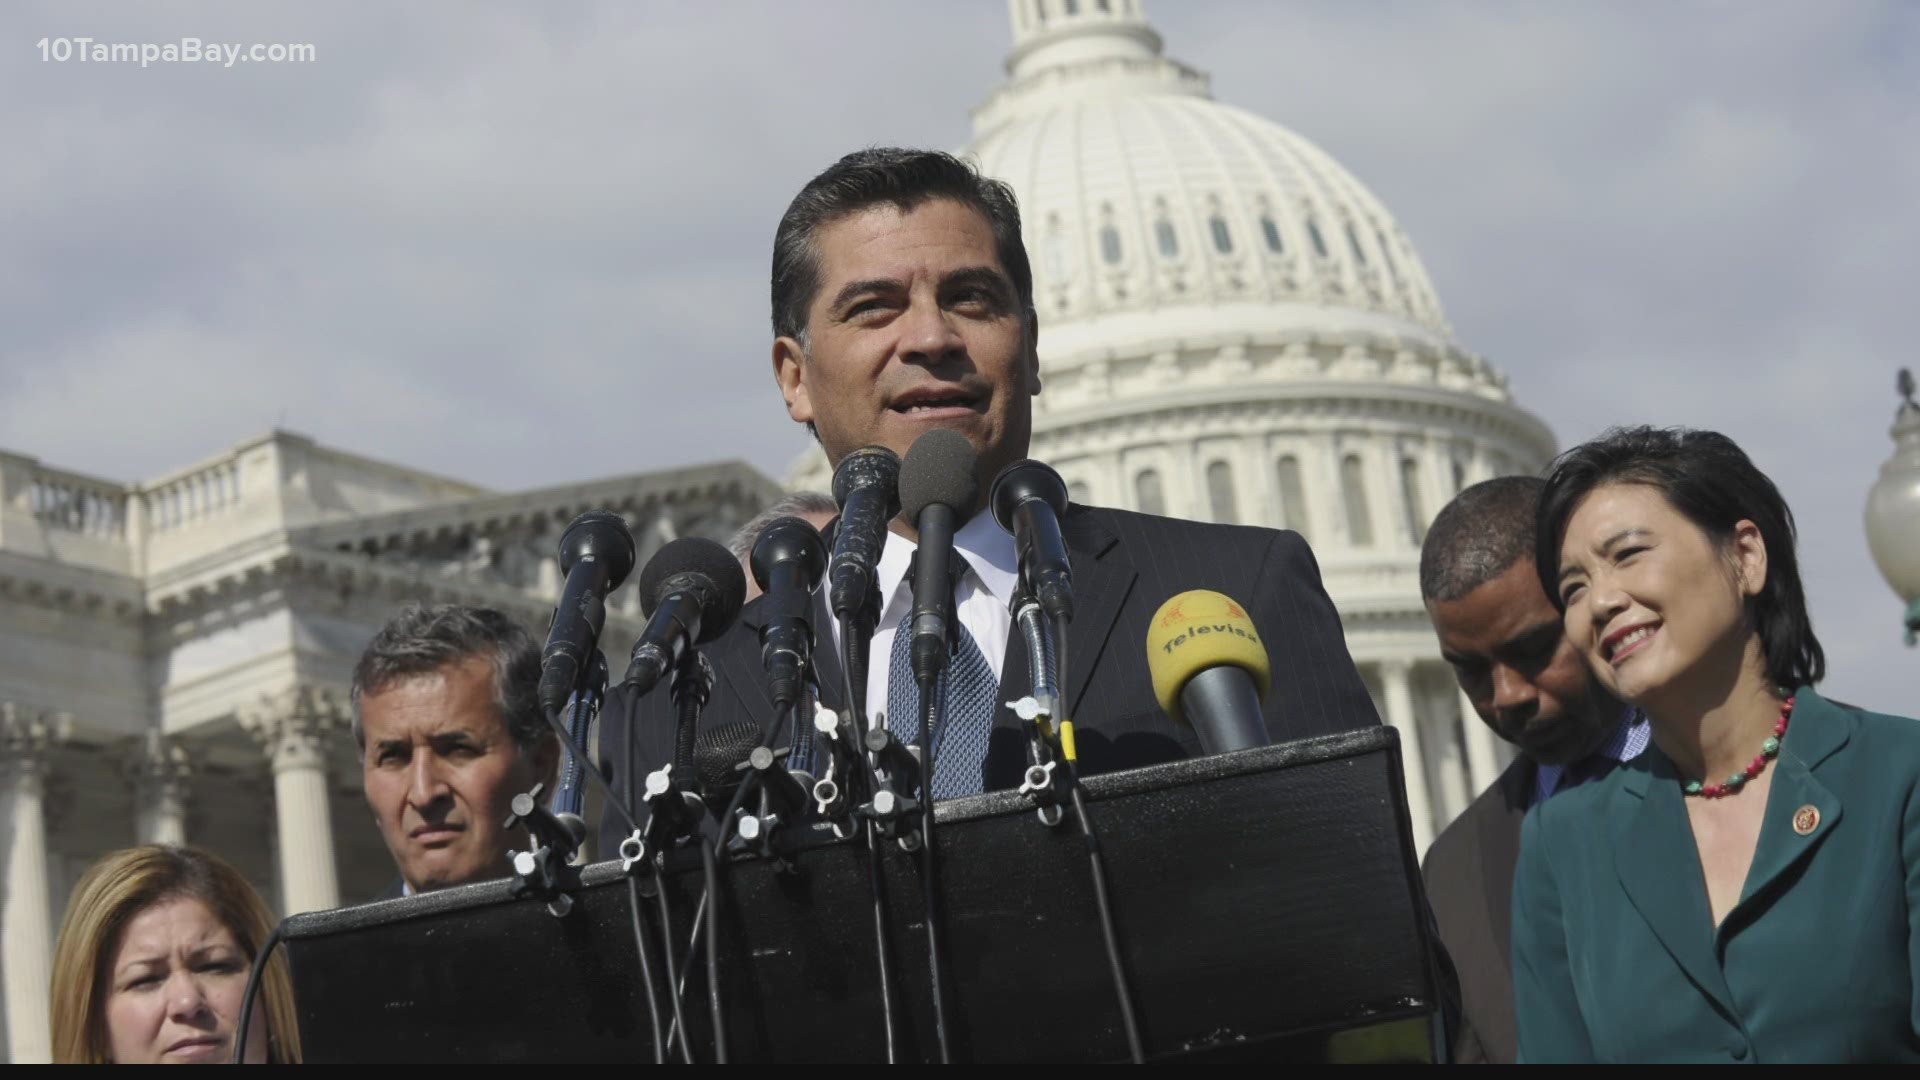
x=903 y=301
x=1510 y=654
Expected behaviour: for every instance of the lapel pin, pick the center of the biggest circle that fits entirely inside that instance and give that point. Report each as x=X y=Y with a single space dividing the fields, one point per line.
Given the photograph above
x=1806 y=819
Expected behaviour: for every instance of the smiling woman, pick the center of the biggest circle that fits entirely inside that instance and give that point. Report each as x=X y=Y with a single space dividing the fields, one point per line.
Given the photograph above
x=152 y=963
x=1707 y=900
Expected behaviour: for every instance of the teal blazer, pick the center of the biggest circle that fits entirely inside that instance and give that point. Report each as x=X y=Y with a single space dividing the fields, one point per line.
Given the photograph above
x=1615 y=956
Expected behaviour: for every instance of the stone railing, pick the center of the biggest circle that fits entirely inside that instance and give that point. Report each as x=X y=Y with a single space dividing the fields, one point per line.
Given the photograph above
x=207 y=490
x=58 y=499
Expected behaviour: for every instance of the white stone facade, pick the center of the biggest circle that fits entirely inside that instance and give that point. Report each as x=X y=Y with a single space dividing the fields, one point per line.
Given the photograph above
x=175 y=656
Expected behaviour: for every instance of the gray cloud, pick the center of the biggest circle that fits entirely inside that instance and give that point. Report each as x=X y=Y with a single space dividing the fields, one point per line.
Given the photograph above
x=527 y=244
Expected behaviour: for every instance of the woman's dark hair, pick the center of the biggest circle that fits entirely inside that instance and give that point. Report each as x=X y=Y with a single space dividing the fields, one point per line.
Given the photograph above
x=1712 y=483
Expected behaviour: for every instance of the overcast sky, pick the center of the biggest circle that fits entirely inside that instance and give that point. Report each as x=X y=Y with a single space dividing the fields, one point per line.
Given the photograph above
x=526 y=244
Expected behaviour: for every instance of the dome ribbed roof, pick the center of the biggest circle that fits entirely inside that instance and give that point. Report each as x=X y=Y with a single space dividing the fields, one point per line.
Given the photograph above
x=1139 y=192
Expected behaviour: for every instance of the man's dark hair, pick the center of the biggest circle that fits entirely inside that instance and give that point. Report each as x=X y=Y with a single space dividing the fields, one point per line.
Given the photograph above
x=421 y=640
x=1478 y=536
x=903 y=179
x=1707 y=478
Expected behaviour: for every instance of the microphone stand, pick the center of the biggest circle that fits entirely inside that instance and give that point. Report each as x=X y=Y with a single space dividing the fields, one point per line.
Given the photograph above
x=1039 y=709
x=1046 y=652
x=856 y=638
x=932 y=707
x=583 y=708
x=675 y=811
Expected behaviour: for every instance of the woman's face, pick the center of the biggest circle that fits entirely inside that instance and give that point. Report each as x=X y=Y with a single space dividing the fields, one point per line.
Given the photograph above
x=175 y=980
x=1652 y=602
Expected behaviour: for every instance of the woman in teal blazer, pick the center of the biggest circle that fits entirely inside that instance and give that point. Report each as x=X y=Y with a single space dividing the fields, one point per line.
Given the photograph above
x=1748 y=889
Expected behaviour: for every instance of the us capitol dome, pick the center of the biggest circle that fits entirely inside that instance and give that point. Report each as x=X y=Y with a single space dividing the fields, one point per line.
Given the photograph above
x=1234 y=329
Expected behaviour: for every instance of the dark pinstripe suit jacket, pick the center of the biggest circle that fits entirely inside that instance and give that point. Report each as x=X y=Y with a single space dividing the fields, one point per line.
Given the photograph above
x=1124 y=566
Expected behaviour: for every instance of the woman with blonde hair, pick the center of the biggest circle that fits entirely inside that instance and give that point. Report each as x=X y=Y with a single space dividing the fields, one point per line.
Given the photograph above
x=153 y=960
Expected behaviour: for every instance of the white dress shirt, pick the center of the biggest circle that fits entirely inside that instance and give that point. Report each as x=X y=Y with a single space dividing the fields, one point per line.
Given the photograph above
x=980 y=603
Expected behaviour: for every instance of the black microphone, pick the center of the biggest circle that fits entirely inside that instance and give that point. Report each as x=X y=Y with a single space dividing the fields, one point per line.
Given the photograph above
x=787 y=562
x=1028 y=500
x=691 y=590
x=596 y=555
x=937 y=485
x=866 y=485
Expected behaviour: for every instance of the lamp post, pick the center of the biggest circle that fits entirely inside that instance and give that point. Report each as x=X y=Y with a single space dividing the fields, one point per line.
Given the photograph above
x=1893 y=508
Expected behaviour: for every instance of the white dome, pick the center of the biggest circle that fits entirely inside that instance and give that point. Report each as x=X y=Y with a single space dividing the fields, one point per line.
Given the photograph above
x=1140 y=199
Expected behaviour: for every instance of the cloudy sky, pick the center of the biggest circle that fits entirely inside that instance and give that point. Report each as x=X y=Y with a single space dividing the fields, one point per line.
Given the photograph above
x=526 y=244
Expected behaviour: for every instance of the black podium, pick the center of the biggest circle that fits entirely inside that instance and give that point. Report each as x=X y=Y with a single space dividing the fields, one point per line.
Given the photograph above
x=1268 y=905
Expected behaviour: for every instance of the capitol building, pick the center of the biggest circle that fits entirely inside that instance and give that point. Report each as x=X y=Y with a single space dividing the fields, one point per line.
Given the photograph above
x=1233 y=329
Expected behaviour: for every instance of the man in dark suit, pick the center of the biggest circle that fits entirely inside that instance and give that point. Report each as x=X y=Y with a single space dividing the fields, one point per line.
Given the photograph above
x=902 y=302
x=1510 y=654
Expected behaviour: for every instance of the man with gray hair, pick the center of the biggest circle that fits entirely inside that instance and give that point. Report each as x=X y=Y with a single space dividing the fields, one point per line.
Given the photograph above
x=447 y=717
x=816 y=507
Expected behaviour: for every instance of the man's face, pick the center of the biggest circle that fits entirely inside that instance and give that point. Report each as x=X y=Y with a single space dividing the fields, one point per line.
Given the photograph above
x=916 y=325
x=441 y=771
x=1510 y=653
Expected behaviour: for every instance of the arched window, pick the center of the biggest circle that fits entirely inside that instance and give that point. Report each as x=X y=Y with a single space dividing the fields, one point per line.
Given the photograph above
x=1386 y=252
x=1057 y=257
x=1222 y=239
x=1319 y=241
x=1271 y=230
x=1148 y=498
x=1077 y=491
x=1164 y=236
x=1410 y=500
x=1353 y=241
x=1293 y=498
x=1353 y=491
x=1110 y=245
x=1226 y=509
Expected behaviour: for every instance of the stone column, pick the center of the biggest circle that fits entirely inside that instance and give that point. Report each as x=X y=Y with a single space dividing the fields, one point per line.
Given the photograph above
x=294 y=739
x=160 y=772
x=1394 y=675
x=1450 y=764
x=1483 y=763
x=26 y=922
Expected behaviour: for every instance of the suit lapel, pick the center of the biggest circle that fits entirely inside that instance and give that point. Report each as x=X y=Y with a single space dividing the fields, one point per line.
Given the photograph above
x=1817 y=731
x=1102 y=578
x=1499 y=850
x=1659 y=868
x=738 y=663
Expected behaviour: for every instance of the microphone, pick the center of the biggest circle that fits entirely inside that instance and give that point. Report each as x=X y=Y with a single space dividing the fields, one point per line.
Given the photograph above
x=691 y=590
x=937 y=484
x=866 y=485
x=596 y=555
x=1210 y=670
x=717 y=756
x=1028 y=499
x=787 y=562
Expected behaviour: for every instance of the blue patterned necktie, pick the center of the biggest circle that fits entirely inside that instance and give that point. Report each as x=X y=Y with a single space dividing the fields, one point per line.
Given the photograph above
x=966 y=722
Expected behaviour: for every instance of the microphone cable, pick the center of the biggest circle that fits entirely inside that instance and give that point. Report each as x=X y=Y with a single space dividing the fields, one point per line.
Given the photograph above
x=1096 y=862
x=646 y=970
x=854 y=647
x=709 y=865
x=673 y=977
x=252 y=992
x=936 y=968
